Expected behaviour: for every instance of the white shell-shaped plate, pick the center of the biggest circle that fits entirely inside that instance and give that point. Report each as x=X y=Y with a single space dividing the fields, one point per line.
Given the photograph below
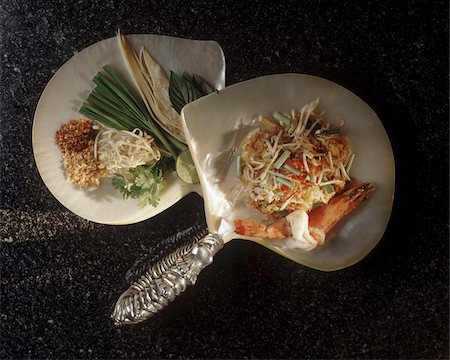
x=71 y=84
x=229 y=116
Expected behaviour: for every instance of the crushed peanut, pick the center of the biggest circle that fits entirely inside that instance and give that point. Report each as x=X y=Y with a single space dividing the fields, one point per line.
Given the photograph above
x=76 y=140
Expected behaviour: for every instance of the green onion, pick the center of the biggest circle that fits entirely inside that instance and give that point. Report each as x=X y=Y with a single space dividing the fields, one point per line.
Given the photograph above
x=331 y=132
x=328 y=188
x=178 y=144
x=238 y=166
x=282 y=118
x=281 y=159
x=283 y=181
x=282 y=212
x=112 y=103
x=291 y=169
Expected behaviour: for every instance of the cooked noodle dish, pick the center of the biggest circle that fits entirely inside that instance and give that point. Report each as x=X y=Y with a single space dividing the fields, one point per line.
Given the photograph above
x=294 y=168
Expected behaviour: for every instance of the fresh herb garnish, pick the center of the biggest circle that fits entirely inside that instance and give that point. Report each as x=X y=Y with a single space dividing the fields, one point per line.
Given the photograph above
x=143 y=183
x=201 y=85
x=185 y=89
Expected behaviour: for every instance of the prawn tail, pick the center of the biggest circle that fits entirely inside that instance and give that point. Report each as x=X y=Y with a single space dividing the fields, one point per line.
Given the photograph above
x=275 y=231
x=328 y=215
x=250 y=228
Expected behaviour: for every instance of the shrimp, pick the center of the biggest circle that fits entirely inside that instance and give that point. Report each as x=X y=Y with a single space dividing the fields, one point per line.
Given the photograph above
x=321 y=219
x=277 y=230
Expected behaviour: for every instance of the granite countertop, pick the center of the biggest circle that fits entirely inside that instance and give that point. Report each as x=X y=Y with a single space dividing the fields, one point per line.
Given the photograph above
x=61 y=275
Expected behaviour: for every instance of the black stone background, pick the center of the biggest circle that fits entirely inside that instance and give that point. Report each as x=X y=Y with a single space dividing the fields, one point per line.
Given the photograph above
x=61 y=275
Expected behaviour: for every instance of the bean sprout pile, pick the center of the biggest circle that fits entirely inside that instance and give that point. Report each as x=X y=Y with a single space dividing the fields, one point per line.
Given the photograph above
x=121 y=150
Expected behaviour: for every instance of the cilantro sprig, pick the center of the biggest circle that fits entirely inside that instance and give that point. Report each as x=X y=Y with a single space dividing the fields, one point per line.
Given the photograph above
x=143 y=183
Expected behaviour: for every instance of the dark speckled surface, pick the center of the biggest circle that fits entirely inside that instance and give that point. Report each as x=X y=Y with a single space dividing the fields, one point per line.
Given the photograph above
x=61 y=275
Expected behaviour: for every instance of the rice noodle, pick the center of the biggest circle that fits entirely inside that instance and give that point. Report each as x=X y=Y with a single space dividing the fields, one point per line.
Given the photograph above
x=321 y=157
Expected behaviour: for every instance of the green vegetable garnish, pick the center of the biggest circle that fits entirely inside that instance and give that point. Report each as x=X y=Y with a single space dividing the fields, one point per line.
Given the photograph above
x=283 y=157
x=282 y=118
x=238 y=166
x=185 y=89
x=329 y=189
x=283 y=181
x=291 y=169
x=201 y=85
x=143 y=183
x=113 y=104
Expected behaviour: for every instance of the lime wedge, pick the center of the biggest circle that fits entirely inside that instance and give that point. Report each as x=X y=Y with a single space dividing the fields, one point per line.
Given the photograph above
x=185 y=168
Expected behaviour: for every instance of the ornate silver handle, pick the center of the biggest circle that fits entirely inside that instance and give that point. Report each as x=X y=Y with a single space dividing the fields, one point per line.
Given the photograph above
x=165 y=280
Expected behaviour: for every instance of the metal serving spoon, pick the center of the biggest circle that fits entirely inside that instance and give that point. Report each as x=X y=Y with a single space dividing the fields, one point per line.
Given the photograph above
x=215 y=126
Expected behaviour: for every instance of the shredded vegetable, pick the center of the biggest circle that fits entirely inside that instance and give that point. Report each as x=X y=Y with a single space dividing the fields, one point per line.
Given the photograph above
x=143 y=183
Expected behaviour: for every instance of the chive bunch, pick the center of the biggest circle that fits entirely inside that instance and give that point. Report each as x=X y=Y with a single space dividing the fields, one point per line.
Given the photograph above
x=113 y=104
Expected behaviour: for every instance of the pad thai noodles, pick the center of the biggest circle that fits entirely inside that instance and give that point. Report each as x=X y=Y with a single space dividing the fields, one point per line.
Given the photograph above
x=294 y=162
x=294 y=169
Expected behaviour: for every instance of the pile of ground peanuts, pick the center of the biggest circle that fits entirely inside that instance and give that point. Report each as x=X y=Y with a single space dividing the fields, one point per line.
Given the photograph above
x=76 y=140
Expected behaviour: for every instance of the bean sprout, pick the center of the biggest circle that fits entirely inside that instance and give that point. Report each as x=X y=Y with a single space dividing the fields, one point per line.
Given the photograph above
x=120 y=150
